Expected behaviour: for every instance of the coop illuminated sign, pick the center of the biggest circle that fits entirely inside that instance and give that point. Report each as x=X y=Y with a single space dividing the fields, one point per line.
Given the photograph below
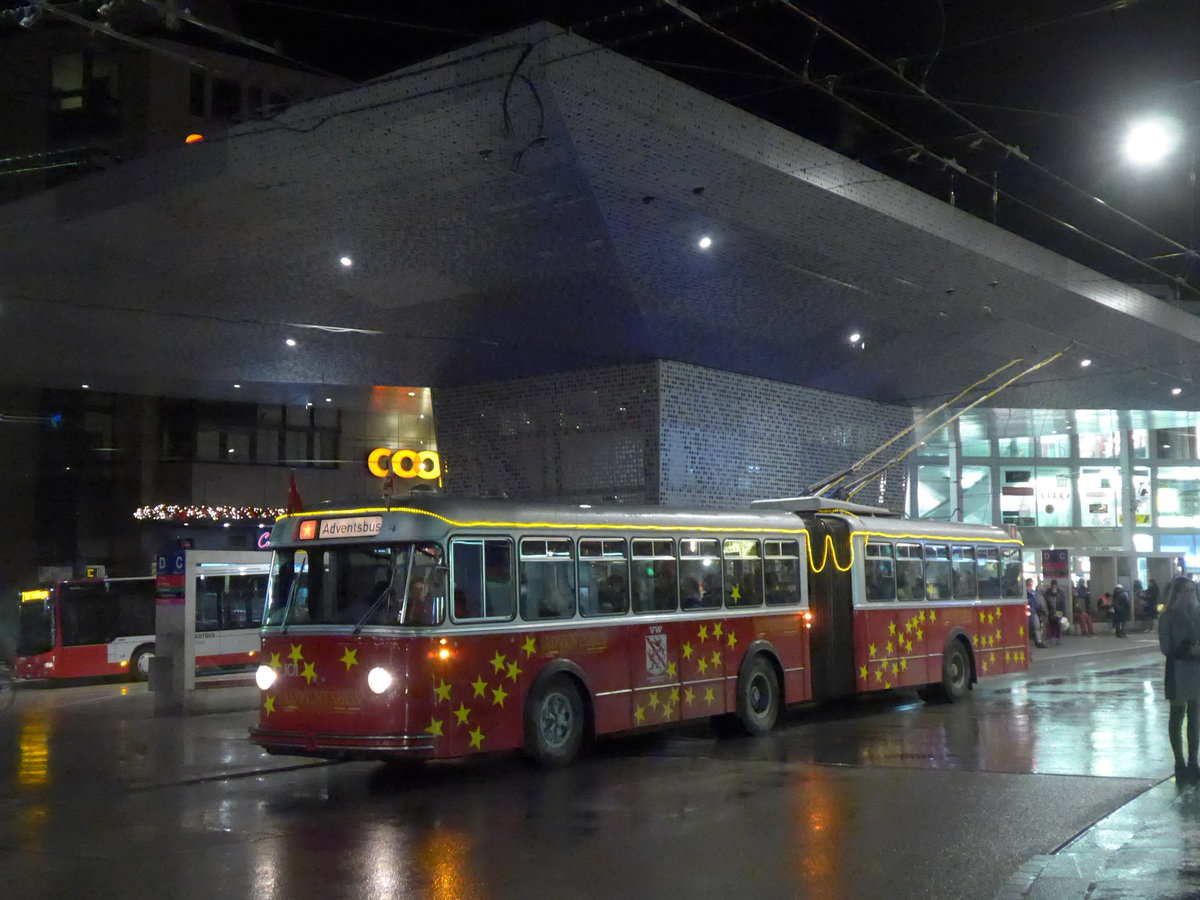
x=426 y=464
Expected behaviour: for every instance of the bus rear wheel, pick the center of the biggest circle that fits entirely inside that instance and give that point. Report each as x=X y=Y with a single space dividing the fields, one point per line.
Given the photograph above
x=139 y=663
x=757 y=697
x=956 y=677
x=554 y=722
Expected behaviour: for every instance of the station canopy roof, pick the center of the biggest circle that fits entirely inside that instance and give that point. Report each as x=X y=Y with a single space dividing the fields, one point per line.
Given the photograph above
x=534 y=204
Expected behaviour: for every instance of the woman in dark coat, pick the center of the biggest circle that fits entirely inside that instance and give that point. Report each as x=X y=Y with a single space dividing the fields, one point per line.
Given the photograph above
x=1179 y=640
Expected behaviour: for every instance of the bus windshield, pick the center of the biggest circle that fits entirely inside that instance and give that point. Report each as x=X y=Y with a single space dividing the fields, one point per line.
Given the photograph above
x=357 y=585
x=35 y=632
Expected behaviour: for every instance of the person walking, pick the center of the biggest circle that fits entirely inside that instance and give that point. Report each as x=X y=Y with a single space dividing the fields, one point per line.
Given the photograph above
x=1054 y=610
x=1035 y=612
x=1179 y=640
x=1121 y=608
x=1150 y=604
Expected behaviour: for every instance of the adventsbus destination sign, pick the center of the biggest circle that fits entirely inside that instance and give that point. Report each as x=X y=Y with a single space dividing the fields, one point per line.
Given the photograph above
x=350 y=526
x=426 y=464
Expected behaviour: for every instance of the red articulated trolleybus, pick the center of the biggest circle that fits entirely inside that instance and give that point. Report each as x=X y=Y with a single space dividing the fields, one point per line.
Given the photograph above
x=447 y=627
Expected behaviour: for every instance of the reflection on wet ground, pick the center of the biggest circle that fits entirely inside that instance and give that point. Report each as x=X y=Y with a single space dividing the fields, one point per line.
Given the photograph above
x=884 y=797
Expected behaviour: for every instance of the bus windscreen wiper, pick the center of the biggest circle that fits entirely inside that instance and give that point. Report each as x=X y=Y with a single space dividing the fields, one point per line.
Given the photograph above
x=386 y=592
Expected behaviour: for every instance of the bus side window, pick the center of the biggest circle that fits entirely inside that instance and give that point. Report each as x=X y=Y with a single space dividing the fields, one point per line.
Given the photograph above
x=603 y=577
x=547 y=578
x=937 y=572
x=964 y=573
x=987 y=568
x=910 y=572
x=482 y=578
x=1010 y=580
x=782 y=572
x=743 y=573
x=654 y=570
x=700 y=574
x=879 y=572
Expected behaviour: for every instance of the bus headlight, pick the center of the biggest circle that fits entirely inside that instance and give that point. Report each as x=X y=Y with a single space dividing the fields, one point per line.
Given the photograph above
x=264 y=677
x=379 y=680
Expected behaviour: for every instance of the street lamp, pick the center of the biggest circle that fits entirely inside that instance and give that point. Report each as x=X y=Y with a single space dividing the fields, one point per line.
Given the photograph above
x=1149 y=141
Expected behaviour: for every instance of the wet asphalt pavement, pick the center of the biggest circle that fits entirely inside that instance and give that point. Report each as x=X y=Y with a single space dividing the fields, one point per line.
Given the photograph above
x=885 y=797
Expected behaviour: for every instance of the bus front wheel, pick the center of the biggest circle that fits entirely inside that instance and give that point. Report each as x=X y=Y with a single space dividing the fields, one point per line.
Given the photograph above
x=758 y=696
x=554 y=722
x=139 y=662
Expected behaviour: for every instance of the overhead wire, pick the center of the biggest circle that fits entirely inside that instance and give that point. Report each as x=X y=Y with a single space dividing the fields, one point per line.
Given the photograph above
x=948 y=163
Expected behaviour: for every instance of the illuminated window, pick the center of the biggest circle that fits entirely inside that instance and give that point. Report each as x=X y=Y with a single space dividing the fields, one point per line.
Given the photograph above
x=880 y=572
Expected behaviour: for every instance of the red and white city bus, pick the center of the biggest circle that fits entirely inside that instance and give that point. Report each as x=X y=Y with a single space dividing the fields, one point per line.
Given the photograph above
x=105 y=626
x=446 y=627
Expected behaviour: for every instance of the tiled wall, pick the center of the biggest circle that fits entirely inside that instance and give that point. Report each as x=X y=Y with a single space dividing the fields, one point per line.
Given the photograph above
x=728 y=438
x=665 y=432
x=589 y=435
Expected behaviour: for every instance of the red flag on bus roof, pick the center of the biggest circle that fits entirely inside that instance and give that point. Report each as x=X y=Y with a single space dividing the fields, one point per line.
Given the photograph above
x=294 y=503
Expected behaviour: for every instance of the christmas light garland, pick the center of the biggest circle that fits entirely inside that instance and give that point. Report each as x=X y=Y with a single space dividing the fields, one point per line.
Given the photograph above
x=166 y=512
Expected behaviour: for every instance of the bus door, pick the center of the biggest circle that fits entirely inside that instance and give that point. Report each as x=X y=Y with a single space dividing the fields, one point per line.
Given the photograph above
x=831 y=601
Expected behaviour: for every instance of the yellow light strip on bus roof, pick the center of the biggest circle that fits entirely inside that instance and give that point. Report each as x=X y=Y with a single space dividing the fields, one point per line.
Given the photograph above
x=830 y=551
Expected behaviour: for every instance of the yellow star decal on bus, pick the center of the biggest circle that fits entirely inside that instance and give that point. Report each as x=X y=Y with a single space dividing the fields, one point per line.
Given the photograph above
x=269 y=705
x=732 y=640
x=653 y=701
x=910 y=625
x=462 y=713
x=671 y=669
x=895 y=668
x=999 y=635
x=689 y=696
x=716 y=658
x=708 y=696
x=908 y=646
x=890 y=648
x=350 y=658
x=687 y=650
x=434 y=727
x=870 y=649
x=513 y=670
x=1008 y=656
x=717 y=632
x=480 y=686
x=499 y=695
x=639 y=715
x=879 y=674
x=997 y=610
x=702 y=665
x=982 y=616
x=674 y=695
x=735 y=593
x=443 y=691
x=310 y=672
x=985 y=665
x=1021 y=631
x=530 y=646
x=667 y=711
x=904 y=665
x=498 y=662
x=920 y=634
x=932 y=615
x=891 y=627
x=297 y=655
x=477 y=738
x=703 y=633
x=275 y=663
x=887 y=685
x=862 y=672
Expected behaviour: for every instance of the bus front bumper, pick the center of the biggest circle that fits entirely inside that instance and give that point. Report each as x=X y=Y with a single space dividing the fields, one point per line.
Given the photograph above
x=343 y=746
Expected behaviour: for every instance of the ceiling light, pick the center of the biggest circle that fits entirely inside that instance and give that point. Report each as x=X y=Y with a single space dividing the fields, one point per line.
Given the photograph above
x=412 y=393
x=230 y=449
x=1149 y=141
x=855 y=338
x=346 y=261
x=328 y=399
x=1084 y=363
x=85 y=386
x=1176 y=391
x=704 y=243
x=237 y=385
x=290 y=342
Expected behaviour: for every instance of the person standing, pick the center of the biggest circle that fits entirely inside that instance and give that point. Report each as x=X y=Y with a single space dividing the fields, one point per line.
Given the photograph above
x=1151 y=604
x=1179 y=640
x=1035 y=611
x=1054 y=611
x=1121 y=608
